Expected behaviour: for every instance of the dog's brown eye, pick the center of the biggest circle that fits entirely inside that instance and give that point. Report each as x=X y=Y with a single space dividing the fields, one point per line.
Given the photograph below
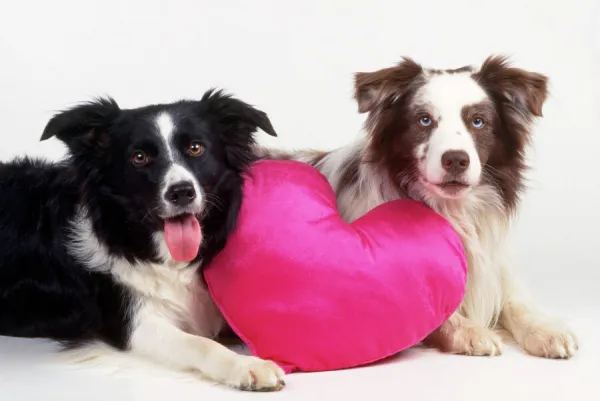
x=139 y=157
x=196 y=148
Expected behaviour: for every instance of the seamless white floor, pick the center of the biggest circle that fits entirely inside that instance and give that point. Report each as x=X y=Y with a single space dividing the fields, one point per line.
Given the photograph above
x=29 y=370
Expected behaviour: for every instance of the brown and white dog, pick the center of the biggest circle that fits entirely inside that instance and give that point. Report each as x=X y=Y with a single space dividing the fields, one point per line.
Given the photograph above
x=455 y=140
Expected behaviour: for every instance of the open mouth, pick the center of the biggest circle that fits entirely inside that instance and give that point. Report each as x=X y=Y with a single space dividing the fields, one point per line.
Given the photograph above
x=183 y=236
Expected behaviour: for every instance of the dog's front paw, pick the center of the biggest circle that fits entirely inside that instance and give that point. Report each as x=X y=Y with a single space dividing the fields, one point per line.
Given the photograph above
x=475 y=340
x=249 y=373
x=549 y=341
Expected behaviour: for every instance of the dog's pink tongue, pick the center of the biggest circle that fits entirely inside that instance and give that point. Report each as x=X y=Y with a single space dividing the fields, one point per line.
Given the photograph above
x=183 y=236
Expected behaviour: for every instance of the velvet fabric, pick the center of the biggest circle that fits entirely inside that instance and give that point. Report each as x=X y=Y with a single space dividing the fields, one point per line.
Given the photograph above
x=311 y=292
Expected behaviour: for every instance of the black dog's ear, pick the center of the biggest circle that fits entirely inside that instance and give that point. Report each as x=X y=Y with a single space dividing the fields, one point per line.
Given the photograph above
x=83 y=124
x=237 y=122
x=239 y=117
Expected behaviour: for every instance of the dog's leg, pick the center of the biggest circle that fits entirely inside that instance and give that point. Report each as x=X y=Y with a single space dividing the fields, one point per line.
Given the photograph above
x=156 y=338
x=459 y=335
x=531 y=329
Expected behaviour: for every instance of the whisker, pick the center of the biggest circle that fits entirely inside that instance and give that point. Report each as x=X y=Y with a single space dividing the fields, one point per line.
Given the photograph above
x=214 y=204
x=215 y=201
x=149 y=212
x=493 y=174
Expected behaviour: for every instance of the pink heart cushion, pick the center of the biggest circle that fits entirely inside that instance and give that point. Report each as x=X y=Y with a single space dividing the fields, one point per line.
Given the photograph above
x=305 y=289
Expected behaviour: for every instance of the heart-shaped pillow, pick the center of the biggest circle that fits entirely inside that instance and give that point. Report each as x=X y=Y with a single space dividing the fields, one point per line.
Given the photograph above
x=305 y=289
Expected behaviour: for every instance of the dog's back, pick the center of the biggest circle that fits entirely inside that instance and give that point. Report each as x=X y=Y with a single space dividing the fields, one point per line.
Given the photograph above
x=36 y=201
x=44 y=291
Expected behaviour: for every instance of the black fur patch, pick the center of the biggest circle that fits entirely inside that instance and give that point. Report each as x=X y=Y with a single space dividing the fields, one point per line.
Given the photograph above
x=45 y=291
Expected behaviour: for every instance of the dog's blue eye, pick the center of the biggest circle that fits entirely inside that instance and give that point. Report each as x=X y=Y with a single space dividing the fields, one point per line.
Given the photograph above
x=478 y=122
x=425 y=121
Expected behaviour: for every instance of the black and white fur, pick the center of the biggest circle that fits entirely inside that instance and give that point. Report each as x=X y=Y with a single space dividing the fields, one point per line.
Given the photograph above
x=83 y=258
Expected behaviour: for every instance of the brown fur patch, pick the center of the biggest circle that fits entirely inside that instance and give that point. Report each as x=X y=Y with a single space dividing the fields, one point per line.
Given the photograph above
x=484 y=136
x=386 y=94
x=451 y=71
x=516 y=98
x=524 y=91
x=374 y=89
x=392 y=140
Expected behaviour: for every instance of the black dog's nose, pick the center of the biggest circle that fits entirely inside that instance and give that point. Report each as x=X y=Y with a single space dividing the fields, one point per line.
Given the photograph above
x=455 y=161
x=181 y=194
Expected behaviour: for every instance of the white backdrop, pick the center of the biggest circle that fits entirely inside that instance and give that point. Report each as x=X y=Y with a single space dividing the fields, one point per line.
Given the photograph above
x=295 y=61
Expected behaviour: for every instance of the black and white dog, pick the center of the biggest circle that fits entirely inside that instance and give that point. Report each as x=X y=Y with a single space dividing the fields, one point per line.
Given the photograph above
x=105 y=247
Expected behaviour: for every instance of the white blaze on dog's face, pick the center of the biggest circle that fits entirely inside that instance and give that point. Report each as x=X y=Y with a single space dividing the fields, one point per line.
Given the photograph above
x=448 y=159
x=444 y=132
x=181 y=196
x=180 y=191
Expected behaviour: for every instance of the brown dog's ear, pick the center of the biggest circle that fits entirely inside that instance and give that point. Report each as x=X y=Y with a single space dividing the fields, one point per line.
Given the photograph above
x=372 y=89
x=524 y=91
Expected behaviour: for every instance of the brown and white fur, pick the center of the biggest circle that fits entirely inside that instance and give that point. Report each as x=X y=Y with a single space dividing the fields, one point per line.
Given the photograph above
x=455 y=140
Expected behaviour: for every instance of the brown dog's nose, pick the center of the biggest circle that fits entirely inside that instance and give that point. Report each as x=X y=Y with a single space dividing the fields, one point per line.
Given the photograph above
x=455 y=161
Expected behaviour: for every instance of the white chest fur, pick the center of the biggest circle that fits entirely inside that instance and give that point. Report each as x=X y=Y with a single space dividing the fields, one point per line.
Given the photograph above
x=478 y=220
x=170 y=290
